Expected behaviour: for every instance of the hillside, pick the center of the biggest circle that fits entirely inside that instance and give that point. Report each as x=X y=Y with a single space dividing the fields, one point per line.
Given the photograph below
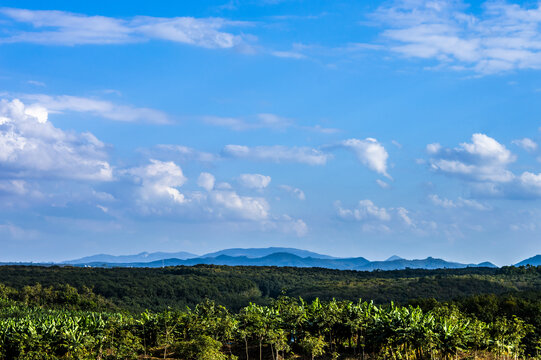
x=235 y=286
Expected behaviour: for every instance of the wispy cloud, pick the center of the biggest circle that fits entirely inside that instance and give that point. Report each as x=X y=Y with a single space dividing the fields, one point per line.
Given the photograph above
x=501 y=37
x=98 y=107
x=526 y=144
x=298 y=193
x=52 y=27
x=263 y=121
x=277 y=154
x=459 y=203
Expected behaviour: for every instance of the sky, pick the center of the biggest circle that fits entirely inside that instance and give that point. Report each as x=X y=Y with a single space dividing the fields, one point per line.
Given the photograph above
x=350 y=128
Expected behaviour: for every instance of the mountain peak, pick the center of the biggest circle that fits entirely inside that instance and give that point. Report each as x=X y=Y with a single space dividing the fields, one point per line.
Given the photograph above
x=534 y=261
x=394 y=257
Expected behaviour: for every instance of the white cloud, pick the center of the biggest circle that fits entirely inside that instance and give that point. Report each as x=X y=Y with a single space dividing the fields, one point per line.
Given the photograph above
x=17 y=187
x=64 y=28
x=36 y=83
x=160 y=180
x=102 y=108
x=433 y=148
x=483 y=163
x=403 y=214
x=382 y=184
x=530 y=182
x=277 y=153
x=320 y=129
x=261 y=121
x=369 y=152
x=484 y=159
x=459 y=203
x=206 y=181
x=159 y=194
x=288 y=54
x=181 y=153
x=230 y=204
x=501 y=37
x=15 y=232
x=366 y=210
x=298 y=193
x=30 y=146
x=526 y=144
x=287 y=224
x=254 y=181
x=383 y=220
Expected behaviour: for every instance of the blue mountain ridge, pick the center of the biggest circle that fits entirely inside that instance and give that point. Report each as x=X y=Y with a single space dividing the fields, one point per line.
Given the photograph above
x=141 y=257
x=534 y=261
x=289 y=258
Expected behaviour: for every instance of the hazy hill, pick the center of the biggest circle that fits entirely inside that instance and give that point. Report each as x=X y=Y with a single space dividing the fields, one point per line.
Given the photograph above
x=261 y=252
x=275 y=259
x=394 y=257
x=534 y=261
x=428 y=263
x=287 y=259
x=274 y=256
x=141 y=257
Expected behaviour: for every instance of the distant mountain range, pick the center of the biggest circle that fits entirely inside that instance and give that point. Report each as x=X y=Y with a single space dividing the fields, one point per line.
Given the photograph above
x=141 y=257
x=534 y=261
x=272 y=256
x=260 y=252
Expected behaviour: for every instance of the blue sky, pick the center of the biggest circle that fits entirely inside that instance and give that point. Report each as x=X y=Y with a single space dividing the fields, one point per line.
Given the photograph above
x=349 y=128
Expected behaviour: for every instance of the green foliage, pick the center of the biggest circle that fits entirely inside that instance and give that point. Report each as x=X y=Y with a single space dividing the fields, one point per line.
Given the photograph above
x=284 y=328
x=83 y=319
x=137 y=289
x=201 y=347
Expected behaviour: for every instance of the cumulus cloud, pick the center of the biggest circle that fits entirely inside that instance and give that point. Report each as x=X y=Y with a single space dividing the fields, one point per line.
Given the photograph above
x=484 y=159
x=370 y=153
x=230 y=204
x=530 y=183
x=158 y=190
x=51 y=27
x=526 y=144
x=160 y=180
x=503 y=36
x=277 y=154
x=30 y=146
x=254 y=181
x=298 y=193
x=101 y=108
x=206 y=181
x=483 y=163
